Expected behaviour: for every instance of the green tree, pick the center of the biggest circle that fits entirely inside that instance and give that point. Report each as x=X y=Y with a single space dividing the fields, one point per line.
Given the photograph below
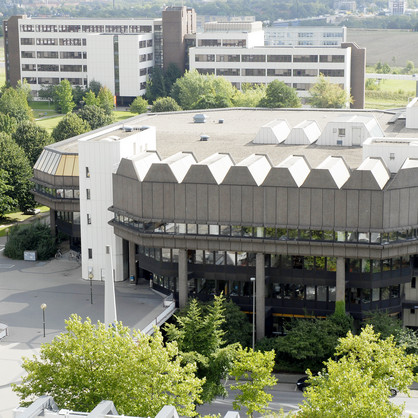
x=95 y=116
x=47 y=92
x=253 y=374
x=165 y=104
x=194 y=90
x=106 y=100
x=90 y=99
x=78 y=96
x=8 y=124
x=237 y=327
x=32 y=138
x=139 y=105
x=89 y=363
x=95 y=87
x=171 y=74
x=358 y=383
x=156 y=86
x=199 y=335
x=6 y=202
x=35 y=237
x=409 y=67
x=63 y=100
x=386 y=68
x=308 y=342
x=278 y=94
x=18 y=172
x=71 y=125
x=25 y=89
x=249 y=95
x=14 y=103
x=326 y=95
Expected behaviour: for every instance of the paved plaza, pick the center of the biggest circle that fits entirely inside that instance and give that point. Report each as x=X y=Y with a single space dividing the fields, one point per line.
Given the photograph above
x=25 y=285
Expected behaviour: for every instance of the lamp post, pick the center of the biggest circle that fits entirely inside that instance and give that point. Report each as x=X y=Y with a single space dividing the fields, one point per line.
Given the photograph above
x=253 y=280
x=91 y=287
x=43 y=307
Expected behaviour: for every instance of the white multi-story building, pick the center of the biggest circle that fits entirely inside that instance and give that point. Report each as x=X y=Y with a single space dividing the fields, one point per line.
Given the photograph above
x=237 y=52
x=118 y=53
x=304 y=35
x=397 y=7
x=297 y=67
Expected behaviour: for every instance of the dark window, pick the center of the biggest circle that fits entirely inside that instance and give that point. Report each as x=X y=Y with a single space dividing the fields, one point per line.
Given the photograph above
x=413 y=283
x=90 y=251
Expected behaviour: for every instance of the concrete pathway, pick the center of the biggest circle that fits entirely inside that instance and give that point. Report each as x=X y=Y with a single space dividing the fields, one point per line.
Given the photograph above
x=25 y=285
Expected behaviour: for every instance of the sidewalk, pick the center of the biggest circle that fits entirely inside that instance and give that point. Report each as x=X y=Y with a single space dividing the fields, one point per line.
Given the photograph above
x=25 y=285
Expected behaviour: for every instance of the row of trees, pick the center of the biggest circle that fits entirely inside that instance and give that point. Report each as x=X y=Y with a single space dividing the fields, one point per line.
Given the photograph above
x=89 y=363
x=199 y=91
x=310 y=342
x=22 y=140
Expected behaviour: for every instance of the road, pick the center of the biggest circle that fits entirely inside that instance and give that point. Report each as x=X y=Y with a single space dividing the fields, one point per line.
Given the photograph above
x=285 y=396
x=288 y=398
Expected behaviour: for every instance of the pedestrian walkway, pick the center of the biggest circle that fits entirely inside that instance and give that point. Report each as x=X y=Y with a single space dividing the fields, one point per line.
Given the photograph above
x=25 y=285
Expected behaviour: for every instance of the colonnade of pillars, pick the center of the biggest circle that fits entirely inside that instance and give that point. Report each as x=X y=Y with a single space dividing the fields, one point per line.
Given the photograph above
x=260 y=304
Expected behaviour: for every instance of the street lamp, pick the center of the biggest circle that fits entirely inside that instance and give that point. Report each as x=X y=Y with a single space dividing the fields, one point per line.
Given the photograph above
x=253 y=280
x=43 y=307
x=91 y=287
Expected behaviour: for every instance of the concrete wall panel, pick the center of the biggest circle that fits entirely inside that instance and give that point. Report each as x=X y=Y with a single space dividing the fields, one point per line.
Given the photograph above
x=147 y=199
x=281 y=206
x=258 y=205
x=305 y=207
x=404 y=207
x=213 y=204
x=394 y=208
x=247 y=205
x=236 y=204
x=202 y=203
x=158 y=200
x=365 y=200
x=376 y=211
x=316 y=207
x=169 y=201
x=224 y=203
x=328 y=207
x=180 y=202
x=340 y=209
x=191 y=202
x=352 y=207
x=293 y=206
x=270 y=205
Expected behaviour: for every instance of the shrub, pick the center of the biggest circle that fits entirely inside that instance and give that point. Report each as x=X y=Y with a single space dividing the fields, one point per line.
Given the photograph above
x=32 y=237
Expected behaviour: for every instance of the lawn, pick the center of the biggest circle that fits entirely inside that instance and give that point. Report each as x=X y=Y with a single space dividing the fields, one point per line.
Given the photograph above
x=49 y=123
x=42 y=109
x=396 y=85
x=121 y=115
x=394 y=93
x=15 y=217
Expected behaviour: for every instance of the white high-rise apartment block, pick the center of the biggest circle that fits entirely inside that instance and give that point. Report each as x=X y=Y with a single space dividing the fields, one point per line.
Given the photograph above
x=237 y=52
x=118 y=53
x=304 y=35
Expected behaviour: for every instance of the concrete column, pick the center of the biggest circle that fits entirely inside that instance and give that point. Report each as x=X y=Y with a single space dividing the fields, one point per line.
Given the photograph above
x=340 y=283
x=260 y=299
x=52 y=222
x=132 y=264
x=183 y=288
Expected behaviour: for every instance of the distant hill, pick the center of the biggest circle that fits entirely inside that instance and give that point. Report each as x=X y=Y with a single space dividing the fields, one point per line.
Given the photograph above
x=384 y=44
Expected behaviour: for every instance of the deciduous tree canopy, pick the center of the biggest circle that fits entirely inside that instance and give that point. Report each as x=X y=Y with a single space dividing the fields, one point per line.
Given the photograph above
x=328 y=95
x=89 y=363
x=358 y=383
x=71 y=125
